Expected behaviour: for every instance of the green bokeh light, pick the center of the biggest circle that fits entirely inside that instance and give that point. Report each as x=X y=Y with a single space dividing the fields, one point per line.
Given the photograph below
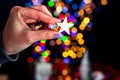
x=55 y=14
x=64 y=38
x=44 y=54
x=43 y=41
x=51 y=3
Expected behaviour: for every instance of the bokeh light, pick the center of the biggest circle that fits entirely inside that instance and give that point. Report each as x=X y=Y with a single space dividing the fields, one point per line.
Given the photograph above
x=66 y=52
x=50 y=3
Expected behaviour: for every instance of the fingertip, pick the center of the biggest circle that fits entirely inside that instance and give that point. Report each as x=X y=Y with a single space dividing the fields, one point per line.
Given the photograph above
x=55 y=20
x=59 y=20
x=52 y=26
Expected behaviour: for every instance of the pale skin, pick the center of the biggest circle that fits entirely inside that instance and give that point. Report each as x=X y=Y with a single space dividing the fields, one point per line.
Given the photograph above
x=17 y=35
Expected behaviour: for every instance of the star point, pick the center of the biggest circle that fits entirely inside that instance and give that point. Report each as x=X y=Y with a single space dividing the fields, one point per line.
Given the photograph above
x=64 y=26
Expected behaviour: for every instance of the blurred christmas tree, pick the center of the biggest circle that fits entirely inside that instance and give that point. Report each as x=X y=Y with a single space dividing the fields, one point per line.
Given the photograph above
x=65 y=53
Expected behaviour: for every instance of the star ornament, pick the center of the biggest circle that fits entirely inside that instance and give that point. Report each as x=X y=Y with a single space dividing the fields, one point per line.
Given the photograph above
x=65 y=26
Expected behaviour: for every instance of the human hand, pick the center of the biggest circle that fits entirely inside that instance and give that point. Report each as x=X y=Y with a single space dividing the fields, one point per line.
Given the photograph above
x=17 y=35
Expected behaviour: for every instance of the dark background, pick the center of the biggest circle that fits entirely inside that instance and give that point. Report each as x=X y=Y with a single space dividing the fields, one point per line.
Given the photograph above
x=103 y=44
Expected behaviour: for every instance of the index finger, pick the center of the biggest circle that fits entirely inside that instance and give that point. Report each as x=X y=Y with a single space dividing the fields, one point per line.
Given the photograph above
x=40 y=16
x=42 y=8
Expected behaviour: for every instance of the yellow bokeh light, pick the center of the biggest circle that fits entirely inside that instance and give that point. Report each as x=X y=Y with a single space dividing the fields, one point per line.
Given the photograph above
x=81 y=12
x=82 y=27
x=48 y=51
x=37 y=48
x=55 y=29
x=82 y=49
x=79 y=36
x=73 y=48
x=81 y=41
x=83 y=24
x=59 y=9
x=73 y=56
x=58 y=41
x=79 y=54
x=104 y=2
x=38 y=27
x=61 y=3
x=68 y=77
x=74 y=29
x=64 y=72
x=86 y=20
x=70 y=52
x=68 y=42
x=65 y=54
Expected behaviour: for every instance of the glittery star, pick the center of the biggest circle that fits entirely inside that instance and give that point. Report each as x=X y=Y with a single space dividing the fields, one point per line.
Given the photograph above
x=65 y=26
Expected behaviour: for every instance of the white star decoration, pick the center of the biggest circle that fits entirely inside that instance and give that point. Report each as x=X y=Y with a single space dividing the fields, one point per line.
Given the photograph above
x=65 y=26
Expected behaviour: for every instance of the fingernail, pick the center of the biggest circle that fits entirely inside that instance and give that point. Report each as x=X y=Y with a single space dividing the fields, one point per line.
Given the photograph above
x=57 y=35
x=52 y=26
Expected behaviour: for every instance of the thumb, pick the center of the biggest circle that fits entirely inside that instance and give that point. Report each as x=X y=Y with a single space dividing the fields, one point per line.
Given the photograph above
x=44 y=34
